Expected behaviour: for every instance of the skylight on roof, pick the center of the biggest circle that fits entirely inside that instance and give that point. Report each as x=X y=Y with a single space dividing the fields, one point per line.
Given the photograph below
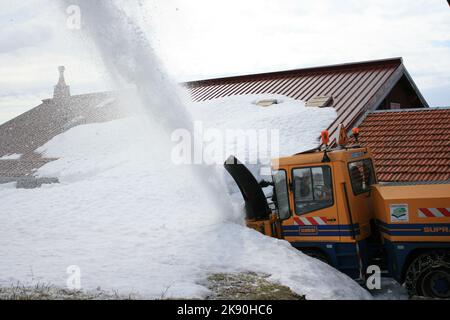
x=320 y=101
x=266 y=102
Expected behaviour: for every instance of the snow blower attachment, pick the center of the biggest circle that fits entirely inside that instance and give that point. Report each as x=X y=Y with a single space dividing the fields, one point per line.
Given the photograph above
x=258 y=215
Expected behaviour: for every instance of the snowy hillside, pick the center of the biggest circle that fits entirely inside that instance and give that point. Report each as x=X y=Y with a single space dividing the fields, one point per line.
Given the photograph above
x=134 y=222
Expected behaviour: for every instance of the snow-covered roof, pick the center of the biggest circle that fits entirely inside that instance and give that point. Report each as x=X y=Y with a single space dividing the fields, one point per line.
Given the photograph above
x=354 y=88
x=27 y=132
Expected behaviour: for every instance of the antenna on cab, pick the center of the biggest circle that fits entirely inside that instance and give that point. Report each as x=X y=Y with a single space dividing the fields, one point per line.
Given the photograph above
x=355 y=132
x=325 y=135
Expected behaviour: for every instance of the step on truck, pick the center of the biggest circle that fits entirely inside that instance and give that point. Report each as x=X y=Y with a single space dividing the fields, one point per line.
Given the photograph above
x=328 y=204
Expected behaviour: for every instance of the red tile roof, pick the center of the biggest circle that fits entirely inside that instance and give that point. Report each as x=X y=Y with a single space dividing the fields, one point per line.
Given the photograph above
x=354 y=87
x=409 y=145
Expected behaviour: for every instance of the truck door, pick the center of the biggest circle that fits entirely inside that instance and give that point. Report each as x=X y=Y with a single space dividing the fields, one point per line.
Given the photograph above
x=312 y=200
x=361 y=177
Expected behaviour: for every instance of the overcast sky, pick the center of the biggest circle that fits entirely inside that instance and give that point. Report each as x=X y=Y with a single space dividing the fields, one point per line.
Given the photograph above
x=199 y=39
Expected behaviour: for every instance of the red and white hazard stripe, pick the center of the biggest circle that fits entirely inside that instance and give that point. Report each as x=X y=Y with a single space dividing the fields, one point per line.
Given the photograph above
x=433 y=212
x=310 y=221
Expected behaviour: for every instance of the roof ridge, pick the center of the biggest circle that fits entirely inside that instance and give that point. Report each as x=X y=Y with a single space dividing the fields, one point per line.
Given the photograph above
x=85 y=95
x=340 y=66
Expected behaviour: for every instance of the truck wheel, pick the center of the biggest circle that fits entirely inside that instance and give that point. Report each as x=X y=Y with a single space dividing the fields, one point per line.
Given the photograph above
x=429 y=276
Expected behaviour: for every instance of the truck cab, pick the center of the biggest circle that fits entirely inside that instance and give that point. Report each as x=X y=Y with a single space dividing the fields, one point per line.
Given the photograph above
x=324 y=206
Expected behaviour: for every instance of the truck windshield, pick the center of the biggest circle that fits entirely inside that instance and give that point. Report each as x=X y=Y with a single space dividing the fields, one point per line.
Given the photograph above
x=361 y=175
x=281 y=193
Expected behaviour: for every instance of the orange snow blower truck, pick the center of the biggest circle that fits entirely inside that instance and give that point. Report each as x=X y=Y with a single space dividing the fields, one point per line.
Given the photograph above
x=328 y=204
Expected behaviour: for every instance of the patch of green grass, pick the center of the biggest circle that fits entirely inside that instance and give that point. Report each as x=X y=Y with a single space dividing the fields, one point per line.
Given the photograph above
x=248 y=286
x=50 y=292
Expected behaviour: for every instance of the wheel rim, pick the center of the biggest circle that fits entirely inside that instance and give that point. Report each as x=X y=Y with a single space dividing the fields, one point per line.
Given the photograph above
x=437 y=284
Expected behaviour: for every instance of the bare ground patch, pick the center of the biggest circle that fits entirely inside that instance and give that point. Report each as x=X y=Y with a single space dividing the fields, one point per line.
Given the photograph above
x=248 y=286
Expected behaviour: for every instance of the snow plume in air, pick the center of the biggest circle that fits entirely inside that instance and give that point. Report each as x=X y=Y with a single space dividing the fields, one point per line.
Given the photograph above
x=137 y=73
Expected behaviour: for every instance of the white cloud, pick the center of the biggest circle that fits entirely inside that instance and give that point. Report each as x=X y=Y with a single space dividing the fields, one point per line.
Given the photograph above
x=267 y=35
x=15 y=36
x=207 y=38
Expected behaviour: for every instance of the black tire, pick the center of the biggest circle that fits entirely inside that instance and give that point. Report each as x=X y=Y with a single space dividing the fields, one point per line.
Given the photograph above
x=429 y=276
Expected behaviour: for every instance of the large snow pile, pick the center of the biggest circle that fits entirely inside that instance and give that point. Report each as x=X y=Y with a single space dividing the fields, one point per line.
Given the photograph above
x=134 y=222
